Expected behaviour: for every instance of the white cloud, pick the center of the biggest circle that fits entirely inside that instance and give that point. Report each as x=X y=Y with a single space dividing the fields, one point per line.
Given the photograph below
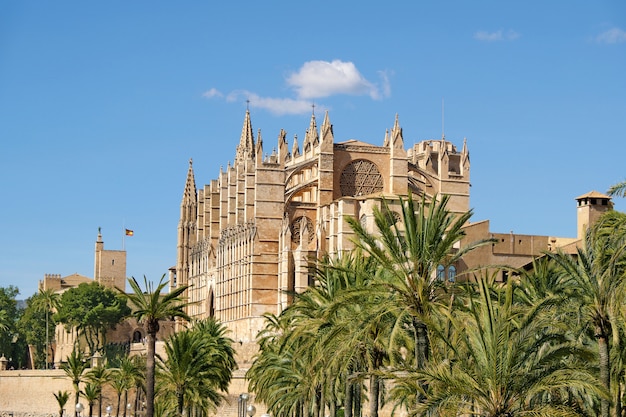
x=212 y=93
x=613 y=35
x=500 y=35
x=278 y=106
x=317 y=79
x=386 y=85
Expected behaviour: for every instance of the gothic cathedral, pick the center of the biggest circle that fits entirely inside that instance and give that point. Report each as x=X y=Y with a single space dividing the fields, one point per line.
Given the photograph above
x=245 y=239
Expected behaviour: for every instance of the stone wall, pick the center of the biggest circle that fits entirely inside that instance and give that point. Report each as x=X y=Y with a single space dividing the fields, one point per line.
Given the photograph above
x=30 y=392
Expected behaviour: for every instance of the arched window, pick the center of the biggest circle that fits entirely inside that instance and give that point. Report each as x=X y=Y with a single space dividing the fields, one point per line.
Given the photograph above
x=451 y=273
x=441 y=273
x=137 y=337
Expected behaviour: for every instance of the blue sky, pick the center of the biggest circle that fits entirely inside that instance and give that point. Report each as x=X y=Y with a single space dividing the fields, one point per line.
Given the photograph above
x=103 y=103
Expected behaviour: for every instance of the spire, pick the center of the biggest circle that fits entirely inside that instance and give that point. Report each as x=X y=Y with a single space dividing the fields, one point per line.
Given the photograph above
x=396 y=135
x=189 y=195
x=312 y=137
x=327 y=134
x=465 y=156
x=245 y=149
x=259 y=147
x=283 y=147
x=295 y=149
x=386 y=141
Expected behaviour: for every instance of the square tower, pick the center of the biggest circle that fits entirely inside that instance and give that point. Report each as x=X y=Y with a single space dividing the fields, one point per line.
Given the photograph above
x=109 y=266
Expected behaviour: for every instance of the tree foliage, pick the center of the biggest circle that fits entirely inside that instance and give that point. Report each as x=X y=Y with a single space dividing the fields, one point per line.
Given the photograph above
x=92 y=309
x=151 y=306
x=197 y=369
x=36 y=324
x=548 y=342
x=11 y=345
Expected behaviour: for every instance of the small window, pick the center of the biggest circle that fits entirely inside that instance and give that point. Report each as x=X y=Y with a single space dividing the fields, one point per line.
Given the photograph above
x=451 y=273
x=137 y=337
x=112 y=261
x=441 y=273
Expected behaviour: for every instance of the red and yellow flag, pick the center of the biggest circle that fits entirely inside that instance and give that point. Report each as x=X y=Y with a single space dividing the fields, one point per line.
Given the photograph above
x=129 y=232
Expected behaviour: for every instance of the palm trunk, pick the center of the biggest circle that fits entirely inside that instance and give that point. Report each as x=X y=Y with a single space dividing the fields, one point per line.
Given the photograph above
x=374 y=394
x=150 y=374
x=357 y=400
x=119 y=399
x=347 y=406
x=77 y=398
x=617 y=412
x=180 y=403
x=314 y=411
x=421 y=345
x=47 y=339
x=332 y=401
x=605 y=378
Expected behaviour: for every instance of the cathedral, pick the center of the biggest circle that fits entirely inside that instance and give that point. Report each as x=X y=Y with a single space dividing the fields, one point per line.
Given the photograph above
x=245 y=239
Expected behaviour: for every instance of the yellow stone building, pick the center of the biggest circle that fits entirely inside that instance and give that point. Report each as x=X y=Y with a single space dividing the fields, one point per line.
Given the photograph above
x=246 y=237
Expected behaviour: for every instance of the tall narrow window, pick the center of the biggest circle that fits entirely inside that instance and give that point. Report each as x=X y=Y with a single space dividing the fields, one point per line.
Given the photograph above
x=441 y=272
x=451 y=273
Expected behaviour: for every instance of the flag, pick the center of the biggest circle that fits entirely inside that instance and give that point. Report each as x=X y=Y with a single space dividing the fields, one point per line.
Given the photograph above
x=129 y=232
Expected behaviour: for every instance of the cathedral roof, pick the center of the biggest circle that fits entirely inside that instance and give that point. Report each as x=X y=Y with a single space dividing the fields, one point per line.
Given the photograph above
x=355 y=142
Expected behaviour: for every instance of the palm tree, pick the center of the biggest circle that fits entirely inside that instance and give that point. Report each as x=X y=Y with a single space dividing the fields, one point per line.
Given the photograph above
x=62 y=398
x=99 y=376
x=198 y=367
x=119 y=385
x=598 y=273
x=618 y=189
x=509 y=360
x=410 y=251
x=92 y=393
x=321 y=348
x=47 y=301
x=4 y=320
x=124 y=378
x=276 y=374
x=151 y=307
x=74 y=368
